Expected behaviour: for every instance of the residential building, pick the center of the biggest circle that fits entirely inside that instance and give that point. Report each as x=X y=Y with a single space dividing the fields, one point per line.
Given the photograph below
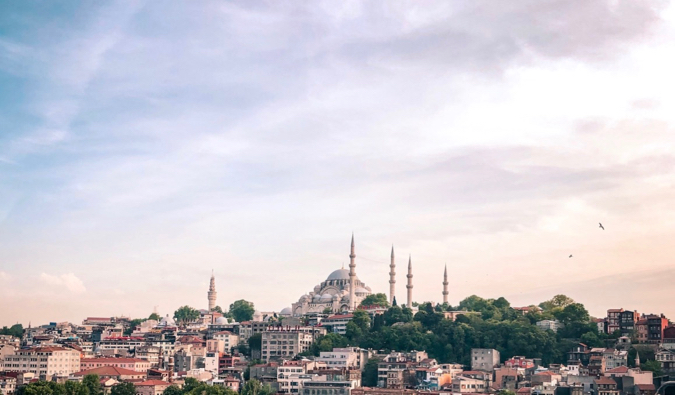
x=43 y=361
x=613 y=320
x=344 y=358
x=579 y=355
x=7 y=384
x=484 y=359
x=229 y=339
x=250 y=328
x=641 y=330
x=135 y=364
x=602 y=324
x=291 y=375
x=627 y=320
x=467 y=385
x=266 y=374
x=151 y=387
x=337 y=323
x=324 y=385
x=667 y=360
x=112 y=372
x=615 y=358
x=655 y=326
x=287 y=342
x=519 y=362
x=605 y=386
x=669 y=338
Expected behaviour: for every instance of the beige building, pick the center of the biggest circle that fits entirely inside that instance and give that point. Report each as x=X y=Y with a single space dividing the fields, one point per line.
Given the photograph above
x=7 y=385
x=44 y=361
x=285 y=343
x=485 y=359
x=135 y=364
x=228 y=338
x=151 y=387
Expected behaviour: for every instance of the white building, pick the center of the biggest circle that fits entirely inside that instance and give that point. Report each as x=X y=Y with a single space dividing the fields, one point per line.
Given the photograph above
x=484 y=359
x=338 y=322
x=342 y=358
x=230 y=340
x=43 y=361
x=285 y=343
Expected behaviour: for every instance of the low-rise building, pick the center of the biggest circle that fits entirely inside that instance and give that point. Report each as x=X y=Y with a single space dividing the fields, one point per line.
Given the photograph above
x=151 y=387
x=337 y=323
x=605 y=386
x=552 y=325
x=484 y=359
x=344 y=358
x=285 y=342
x=135 y=364
x=667 y=360
x=112 y=372
x=229 y=339
x=7 y=384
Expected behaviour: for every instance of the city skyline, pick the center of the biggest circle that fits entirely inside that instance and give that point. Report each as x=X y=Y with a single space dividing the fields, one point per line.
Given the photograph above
x=142 y=147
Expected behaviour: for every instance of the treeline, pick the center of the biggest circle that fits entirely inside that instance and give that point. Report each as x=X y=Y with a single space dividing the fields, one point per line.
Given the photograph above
x=15 y=330
x=497 y=326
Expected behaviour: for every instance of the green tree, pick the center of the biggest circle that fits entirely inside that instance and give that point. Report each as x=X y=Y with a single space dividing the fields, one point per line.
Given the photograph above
x=123 y=389
x=375 y=300
x=359 y=325
x=185 y=315
x=93 y=384
x=155 y=316
x=255 y=342
x=574 y=312
x=557 y=302
x=132 y=325
x=173 y=390
x=75 y=388
x=255 y=387
x=369 y=377
x=327 y=310
x=15 y=330
x=652 y=366
x=218 y=309
x=242 y=310
x=190 y=384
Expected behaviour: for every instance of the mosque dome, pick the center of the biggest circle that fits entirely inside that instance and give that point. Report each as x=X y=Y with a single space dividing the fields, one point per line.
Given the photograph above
x=326 y=297
x=340 y=274
x=286 y=311
x=361 y=290
x=221 y=321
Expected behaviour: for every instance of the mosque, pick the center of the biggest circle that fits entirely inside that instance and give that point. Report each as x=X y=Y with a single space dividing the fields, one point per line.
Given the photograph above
x=342 y=291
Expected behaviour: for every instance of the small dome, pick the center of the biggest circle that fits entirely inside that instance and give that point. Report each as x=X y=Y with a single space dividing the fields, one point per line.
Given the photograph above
x=361 y=291
x=317 y=289
x=286 y=311
x=221 y=321
x=340 y=274
x=326 y=297
x=336 y=297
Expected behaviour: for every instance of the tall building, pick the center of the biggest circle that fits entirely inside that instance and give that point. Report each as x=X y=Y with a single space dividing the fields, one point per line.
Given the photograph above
x=484 y=359
x=212 y=293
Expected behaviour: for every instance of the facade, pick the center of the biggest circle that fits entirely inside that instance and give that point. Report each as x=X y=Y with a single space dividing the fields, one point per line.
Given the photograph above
x=43 y=361
x=641 y=329
x=627 y=321
x=613 y=320
x=286 y=343
x=605 y=386
x=112 y=372
x=151 y=387
x=338 y=322
x=467 y=385
x=669 y=338
x=137 y=365
x=228 y=338
x=484 y=359
x=655 y=327
x=344 y=358
x=7 y=385
x=667 y=360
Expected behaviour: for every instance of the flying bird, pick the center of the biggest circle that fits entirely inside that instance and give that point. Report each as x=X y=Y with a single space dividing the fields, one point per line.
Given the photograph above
x=570 y=255
x=601 y=227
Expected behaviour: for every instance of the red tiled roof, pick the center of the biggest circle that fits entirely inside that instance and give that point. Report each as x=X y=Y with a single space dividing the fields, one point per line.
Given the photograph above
x=109 y=371
x=545 y=373
x=112 y=360
x=646 y=387
x=602 y=380
x=524 y=390
x=620 y=369
x=153 y=383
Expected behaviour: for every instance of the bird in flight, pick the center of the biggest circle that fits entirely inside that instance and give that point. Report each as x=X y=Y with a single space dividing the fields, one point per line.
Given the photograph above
x=570 y=255
x=601 y=227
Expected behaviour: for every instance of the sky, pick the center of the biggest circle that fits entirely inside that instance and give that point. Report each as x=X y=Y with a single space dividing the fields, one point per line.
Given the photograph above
x=143 y=145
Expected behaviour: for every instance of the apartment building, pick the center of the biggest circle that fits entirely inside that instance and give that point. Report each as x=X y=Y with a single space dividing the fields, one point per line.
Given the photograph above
x=43 y=361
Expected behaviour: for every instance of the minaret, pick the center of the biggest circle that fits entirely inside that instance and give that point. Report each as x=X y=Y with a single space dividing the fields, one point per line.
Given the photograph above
x=409 y=286
x=445 y=285
x=637 y=359
x=352 y=278
x=212 y=293
x=392 y=278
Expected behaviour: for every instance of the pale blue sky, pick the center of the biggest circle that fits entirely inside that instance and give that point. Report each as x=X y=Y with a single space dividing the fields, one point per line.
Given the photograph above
x=142 y=145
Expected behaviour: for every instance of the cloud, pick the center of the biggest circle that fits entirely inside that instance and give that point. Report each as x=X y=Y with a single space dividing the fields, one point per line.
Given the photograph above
x=69 y=281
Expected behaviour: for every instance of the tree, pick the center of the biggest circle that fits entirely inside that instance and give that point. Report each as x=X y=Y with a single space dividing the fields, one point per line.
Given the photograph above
x=155 y=316
x=255 y=342
x=93 y=384
x=242 y=310
x=558 y=301
x=255 y=387
x=185 y=315
x=75 y=388
x=653 y=366
x=123 y=389
x=574 y=312
x=15 y=330
x=375 y=300
x=173 y=390
x=218 y=309
x=359 y=325
x=327 y=310
x=369 y=377
x=132 y=325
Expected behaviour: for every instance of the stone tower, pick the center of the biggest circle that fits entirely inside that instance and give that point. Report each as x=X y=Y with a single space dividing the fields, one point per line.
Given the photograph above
x=392 y=278
x=352 y=278
x=445 y=285
x=409 y=286
x=212 y=293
